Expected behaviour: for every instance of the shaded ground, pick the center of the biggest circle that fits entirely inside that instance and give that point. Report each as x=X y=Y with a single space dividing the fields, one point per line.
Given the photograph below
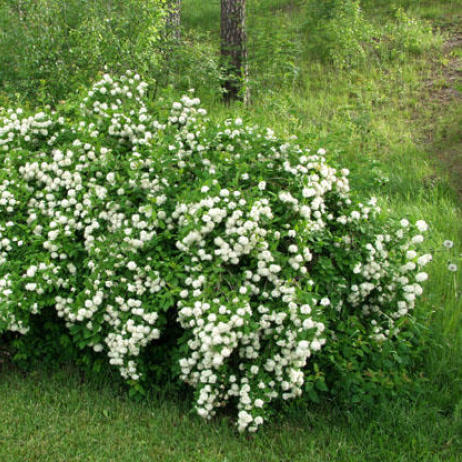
x=445 y=134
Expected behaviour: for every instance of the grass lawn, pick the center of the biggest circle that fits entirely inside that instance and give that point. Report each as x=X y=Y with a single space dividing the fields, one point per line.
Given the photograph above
x=397 y=127
x=54 y=416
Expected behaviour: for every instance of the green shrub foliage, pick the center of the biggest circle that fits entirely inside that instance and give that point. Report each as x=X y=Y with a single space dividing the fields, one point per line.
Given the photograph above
x=137 y=221
x=49 y=48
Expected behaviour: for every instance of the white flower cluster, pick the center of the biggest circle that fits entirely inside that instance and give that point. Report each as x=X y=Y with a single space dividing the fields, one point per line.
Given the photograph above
x=129 y=213
x=385 y=285
x=16 y=127
x=83 y=240
x=234 y=233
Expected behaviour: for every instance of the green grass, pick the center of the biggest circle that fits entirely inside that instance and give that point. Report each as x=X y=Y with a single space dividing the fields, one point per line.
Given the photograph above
x=396 y=125
x=56 y=417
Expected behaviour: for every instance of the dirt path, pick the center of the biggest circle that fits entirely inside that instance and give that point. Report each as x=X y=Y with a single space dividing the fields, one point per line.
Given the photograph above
x=446 y=95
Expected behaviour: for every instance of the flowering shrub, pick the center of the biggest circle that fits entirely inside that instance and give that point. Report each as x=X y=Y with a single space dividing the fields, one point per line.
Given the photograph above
x=122 y=212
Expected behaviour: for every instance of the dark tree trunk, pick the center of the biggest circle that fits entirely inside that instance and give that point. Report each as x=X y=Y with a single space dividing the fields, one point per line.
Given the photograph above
x=174 y=19
x=233 y=48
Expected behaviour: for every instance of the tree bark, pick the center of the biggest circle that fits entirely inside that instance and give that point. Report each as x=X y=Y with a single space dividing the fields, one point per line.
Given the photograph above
x=174 y=19
x=233 y=48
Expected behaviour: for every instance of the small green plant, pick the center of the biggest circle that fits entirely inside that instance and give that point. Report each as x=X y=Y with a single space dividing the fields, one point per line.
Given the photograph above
x=405 y=36
x=193 y=63
x=281 y=42
x=336 y=30
x=339 y=32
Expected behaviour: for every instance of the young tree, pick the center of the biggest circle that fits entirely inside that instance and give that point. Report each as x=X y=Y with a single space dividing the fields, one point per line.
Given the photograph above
x=233 y=48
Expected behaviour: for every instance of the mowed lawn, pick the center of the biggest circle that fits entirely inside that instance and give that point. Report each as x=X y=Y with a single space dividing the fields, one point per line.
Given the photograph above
x=57 y=417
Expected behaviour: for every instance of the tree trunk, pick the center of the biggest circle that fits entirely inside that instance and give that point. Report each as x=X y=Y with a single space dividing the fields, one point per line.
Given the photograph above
x=233 y=48
x=174 y=19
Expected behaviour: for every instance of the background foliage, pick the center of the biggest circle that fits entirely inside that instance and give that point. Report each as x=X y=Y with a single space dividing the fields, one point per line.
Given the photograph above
x=49 y=48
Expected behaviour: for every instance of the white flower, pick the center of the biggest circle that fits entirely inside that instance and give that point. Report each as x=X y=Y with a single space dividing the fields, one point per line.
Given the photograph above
x=448 y=244
x=404 y=223
x=258 y=420
x=262 y=185
x=245 y=417
x=52 y=235
x=421 y=277
x=308 y=192
x=421 y=225
x=305 y=309
x=424 y=259
x=131 y=266
x=31 y=271
x=452 y=267
x=315 y=345
x=184 y=293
